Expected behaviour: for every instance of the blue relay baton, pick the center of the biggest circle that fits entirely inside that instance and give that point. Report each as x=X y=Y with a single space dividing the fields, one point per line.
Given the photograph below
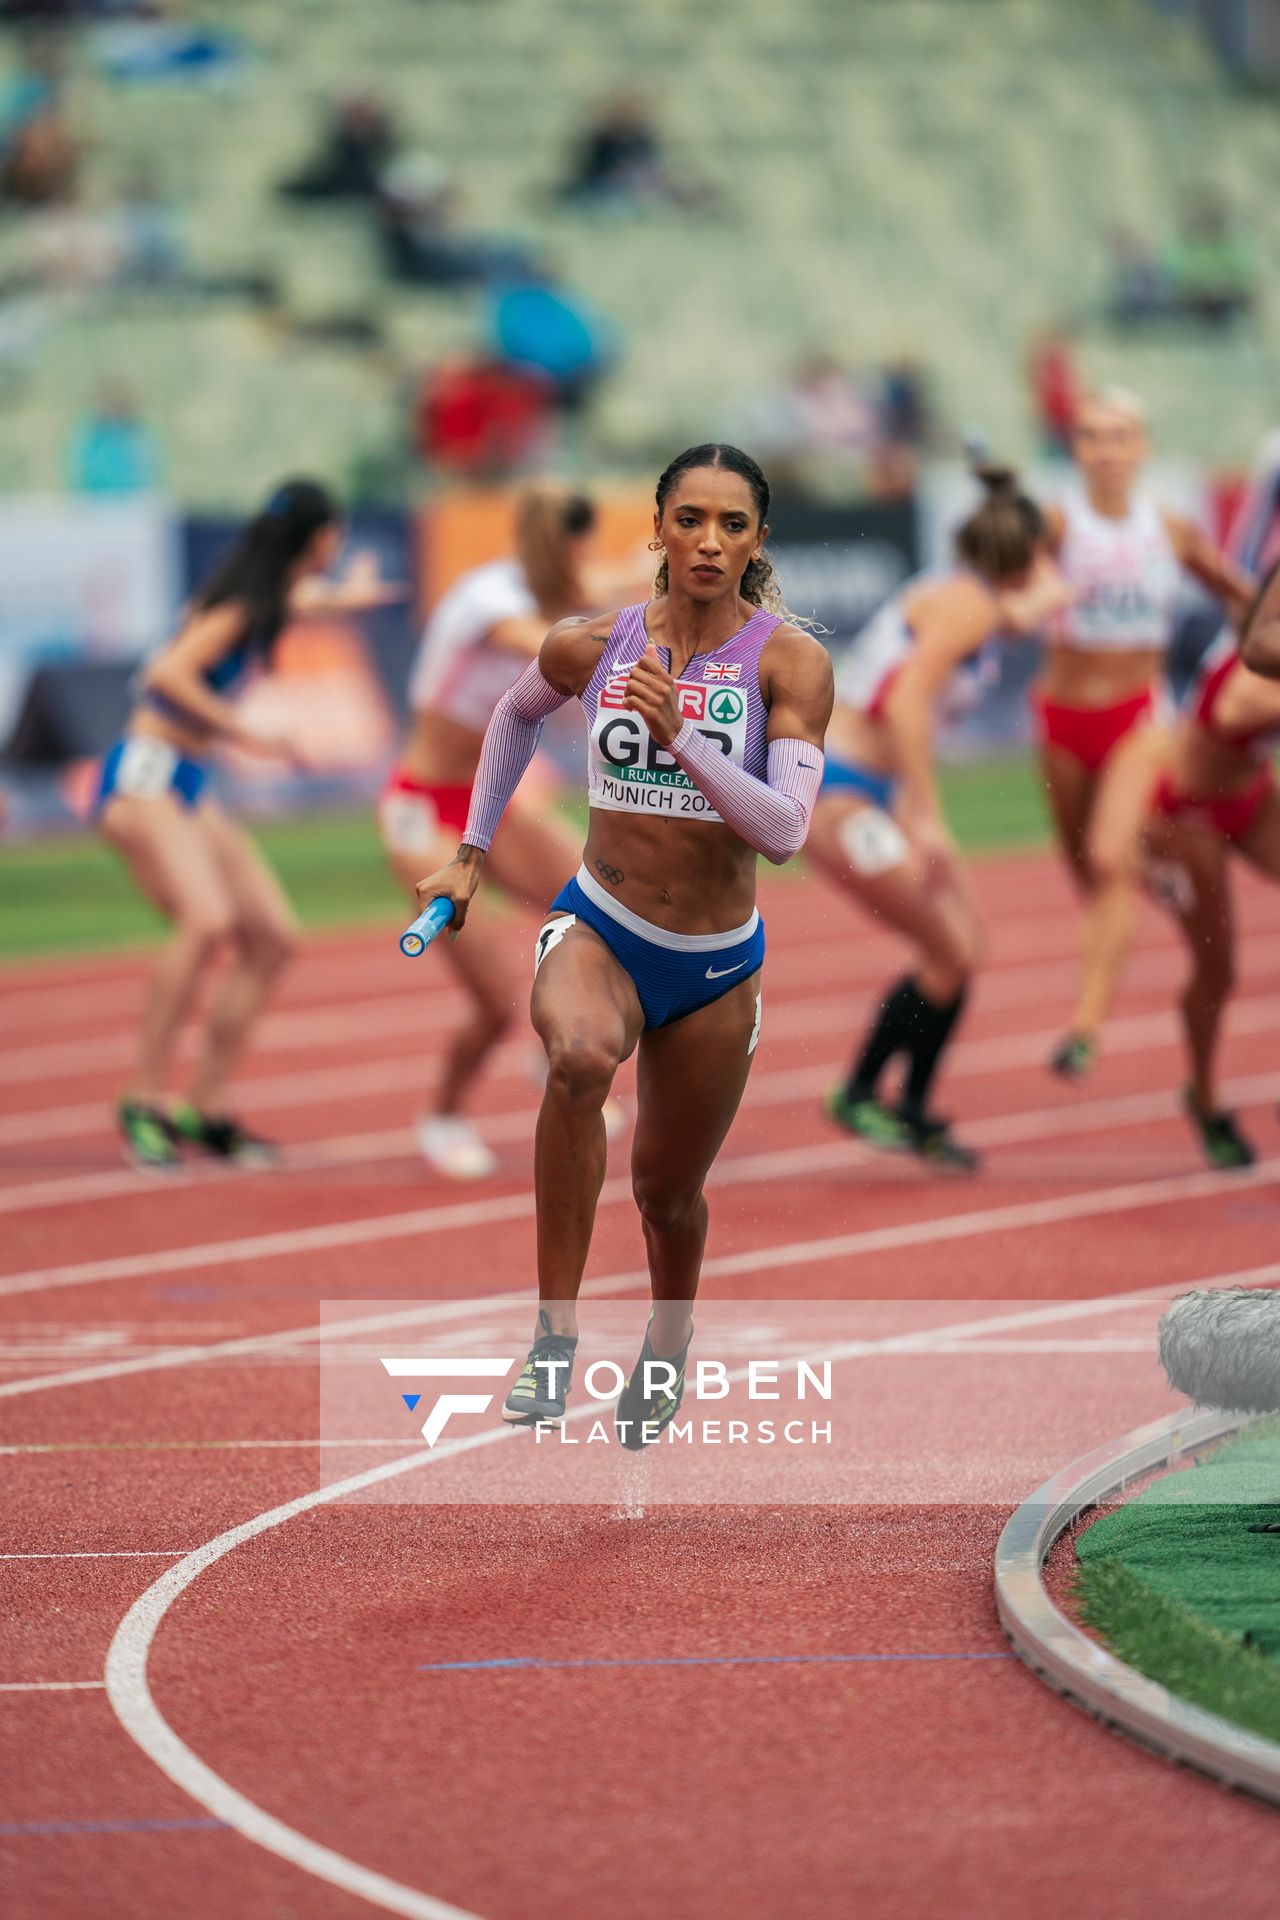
x=433 y=920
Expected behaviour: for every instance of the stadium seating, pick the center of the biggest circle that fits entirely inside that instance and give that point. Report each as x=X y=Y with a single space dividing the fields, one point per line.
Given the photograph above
x=930 y=175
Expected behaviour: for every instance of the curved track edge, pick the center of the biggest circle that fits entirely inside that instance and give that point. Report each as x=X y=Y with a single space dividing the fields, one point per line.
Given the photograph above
x=1069 y=1662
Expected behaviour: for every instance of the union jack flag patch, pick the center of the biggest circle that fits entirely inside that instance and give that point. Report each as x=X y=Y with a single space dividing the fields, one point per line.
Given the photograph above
x=722 y=670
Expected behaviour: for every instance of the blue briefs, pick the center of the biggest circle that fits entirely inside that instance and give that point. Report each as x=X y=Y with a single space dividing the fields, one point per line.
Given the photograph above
x=145 y=767
x=846 y=776
x=674 y=973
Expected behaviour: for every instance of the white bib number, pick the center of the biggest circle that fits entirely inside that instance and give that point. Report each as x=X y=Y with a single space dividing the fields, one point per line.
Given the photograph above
x=631 y=773
x=146 y=768
x=409 y=823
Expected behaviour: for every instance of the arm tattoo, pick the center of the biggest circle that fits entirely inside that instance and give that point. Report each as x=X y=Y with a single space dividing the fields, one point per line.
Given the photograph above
x=614 y=875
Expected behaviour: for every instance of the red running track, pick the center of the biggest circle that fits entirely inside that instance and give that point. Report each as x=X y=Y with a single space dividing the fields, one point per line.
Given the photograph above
x=754 y=1712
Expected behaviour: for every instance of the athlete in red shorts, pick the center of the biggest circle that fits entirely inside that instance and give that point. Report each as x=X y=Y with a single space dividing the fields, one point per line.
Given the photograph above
x=1217 y=794
x=1095 y=704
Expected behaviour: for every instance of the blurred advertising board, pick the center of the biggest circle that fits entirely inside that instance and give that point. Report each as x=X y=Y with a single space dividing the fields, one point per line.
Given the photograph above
x=82 y=580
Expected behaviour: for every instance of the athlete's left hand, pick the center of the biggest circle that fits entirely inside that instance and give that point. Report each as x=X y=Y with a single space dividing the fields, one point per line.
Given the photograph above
x=651 y=692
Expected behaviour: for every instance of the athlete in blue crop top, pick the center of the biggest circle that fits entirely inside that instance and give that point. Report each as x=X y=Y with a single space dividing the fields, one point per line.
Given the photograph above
x=189 y=859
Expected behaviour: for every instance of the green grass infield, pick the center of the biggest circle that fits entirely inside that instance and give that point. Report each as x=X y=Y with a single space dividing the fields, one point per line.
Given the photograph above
x=70 y=894
x=1179 y=1588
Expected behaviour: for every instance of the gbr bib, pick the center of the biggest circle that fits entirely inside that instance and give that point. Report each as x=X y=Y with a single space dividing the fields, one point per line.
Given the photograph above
x=718 y=693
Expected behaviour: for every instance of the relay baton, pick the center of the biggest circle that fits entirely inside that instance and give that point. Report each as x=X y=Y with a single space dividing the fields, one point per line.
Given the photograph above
x=432 y=920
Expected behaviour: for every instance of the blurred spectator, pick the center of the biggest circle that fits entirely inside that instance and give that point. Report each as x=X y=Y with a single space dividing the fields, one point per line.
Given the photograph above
x=543 y=329
x=112 y=450
x=32 y=88
x=41 y=159
x=422 y=240
x=904 y=428
x=152 y=250
x=619 y=162
x=482 y=418
x=1055 y=389
x=825 y=408
x=1140 y=288
x=355 y=147
x=1211 y=264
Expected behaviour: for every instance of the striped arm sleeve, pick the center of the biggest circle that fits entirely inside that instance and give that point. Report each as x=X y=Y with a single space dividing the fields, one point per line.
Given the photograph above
x=771 y=815
x=510 y=742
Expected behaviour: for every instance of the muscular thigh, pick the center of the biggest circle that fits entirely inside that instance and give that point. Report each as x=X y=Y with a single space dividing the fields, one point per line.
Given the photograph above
x=169 y=853
x=580 y=993
x=533 y=855
x=689 y=1082
x=1069 y=789
x=1260 y=846
x=1122 y=801
x=261 y=904
x=1190 y=876
x=875 y=861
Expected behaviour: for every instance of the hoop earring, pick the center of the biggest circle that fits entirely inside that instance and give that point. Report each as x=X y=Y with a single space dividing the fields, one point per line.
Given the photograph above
x=655 y=546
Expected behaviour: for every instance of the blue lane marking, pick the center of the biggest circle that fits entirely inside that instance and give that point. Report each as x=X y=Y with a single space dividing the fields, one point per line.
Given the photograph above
x=113 y=1826
x=703 y=1660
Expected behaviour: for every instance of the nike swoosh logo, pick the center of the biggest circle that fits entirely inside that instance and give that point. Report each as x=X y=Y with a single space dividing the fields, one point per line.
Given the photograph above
x=622 y=666
x=808 y=765
x=719 y=974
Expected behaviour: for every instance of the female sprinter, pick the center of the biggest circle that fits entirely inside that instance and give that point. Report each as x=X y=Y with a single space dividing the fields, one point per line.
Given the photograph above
x=186 y=855
x=878 y=830
x=1217 y=794
x=705 y=715
x=1095 y=703
x=478 y=641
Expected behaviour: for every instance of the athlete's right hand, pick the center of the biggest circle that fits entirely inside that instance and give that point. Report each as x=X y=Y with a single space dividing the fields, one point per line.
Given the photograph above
x=457 y=882
x=273 y=743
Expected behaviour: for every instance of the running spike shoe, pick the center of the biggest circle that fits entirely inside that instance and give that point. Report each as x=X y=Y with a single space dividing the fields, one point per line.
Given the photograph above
x=150 y=1137
x=1224 y=1144
x=450 y=1145
x=869 y=1119
x=223 y=1138
x=645 y=1407
x=934 y=1142
x=542 y=1386
x=1072 y=1058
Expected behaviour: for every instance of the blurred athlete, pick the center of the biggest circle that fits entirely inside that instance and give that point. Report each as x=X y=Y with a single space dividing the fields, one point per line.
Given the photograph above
x=187 y=856
x=477 y=643
x=705 y=712
x=879 y=830
x=1096 y=700
x=1218 y=795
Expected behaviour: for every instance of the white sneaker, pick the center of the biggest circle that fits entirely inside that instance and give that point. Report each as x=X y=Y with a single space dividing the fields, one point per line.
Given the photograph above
x=451 y=1146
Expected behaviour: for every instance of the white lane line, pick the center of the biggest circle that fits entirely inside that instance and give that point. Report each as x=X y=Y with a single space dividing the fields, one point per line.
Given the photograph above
x=366 y=1231
x=765 y=1089
x=52 y=1686
x=796 y=1253
x=1000 y=984
x=129 y=1691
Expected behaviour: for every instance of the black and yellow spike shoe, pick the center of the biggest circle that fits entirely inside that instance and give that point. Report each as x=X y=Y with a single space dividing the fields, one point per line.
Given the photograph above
x=542 y=1386
x=648 y=1404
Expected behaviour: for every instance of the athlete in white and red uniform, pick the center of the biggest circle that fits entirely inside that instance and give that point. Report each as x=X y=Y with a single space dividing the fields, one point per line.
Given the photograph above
x=1095 y=703
x=879 y=831
x=1218 y=795
x=477 y=643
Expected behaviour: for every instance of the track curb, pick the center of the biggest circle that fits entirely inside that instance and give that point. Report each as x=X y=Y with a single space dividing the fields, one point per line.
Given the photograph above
x=1072 y=1664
